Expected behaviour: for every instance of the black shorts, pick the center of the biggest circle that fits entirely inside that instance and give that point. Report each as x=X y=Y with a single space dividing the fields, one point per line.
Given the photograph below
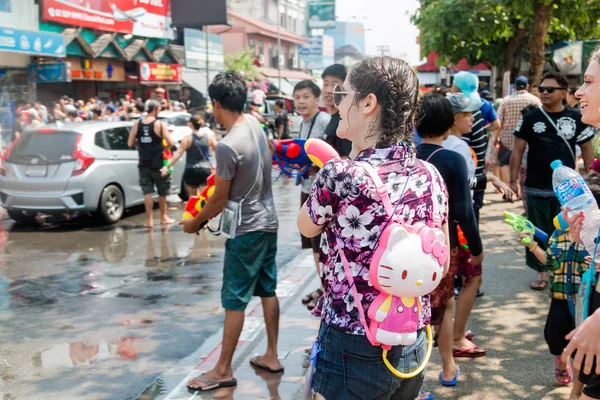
x=309 y=243
x=592 y=381
x=195 y=177
x=559 y=324
x=149 y=178
x=504 y=154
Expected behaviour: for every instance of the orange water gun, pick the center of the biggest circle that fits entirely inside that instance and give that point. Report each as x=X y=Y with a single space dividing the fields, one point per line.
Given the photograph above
x=167 y=155
x=196 y=203
x=462 y=240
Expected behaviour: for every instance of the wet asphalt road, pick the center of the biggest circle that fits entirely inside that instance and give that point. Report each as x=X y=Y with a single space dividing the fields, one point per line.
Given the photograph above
x=95 y=312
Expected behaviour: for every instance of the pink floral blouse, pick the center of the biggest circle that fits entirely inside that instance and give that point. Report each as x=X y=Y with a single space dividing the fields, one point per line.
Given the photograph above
x=344 y=201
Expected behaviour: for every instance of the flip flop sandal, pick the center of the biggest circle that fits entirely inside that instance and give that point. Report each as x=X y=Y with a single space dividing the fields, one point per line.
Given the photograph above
x=453 y=381
x=563 y=376
x=425 y=396
x=469 y=335
x=311 y=296
x=254 y=361
x=211 y=384
x=473 y=352
x=539 y=284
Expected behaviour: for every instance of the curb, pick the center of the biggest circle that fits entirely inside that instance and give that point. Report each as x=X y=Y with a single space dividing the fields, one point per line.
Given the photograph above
x=297 y=275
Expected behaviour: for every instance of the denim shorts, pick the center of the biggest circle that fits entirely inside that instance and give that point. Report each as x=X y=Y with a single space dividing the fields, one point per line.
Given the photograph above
x=350 y=367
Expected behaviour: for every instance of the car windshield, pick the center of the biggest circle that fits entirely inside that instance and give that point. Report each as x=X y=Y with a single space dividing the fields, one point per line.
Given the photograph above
x=47 y=147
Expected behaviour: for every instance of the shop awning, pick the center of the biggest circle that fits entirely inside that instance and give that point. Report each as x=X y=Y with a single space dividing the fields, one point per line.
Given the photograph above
x=285 y=73
x=196 y=78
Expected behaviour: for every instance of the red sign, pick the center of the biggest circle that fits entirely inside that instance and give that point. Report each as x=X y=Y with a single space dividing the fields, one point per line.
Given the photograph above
x=155 y=72
x=146 y=18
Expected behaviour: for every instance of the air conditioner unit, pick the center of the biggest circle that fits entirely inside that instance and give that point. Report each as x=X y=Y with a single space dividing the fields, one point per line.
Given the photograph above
x=281 y=61
x=295 y=62
x=261 y=59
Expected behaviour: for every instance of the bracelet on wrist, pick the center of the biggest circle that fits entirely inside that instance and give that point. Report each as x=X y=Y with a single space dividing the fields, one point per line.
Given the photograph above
x=533 y=247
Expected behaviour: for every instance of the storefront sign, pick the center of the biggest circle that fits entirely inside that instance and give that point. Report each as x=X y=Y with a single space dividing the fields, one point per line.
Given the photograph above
x=321 y=14
x=156 y=72
x=34 y=43
x=196 y=50
x=99 y=69
x=568 y=59
x=60 y=72
x=147 y=18
x=313 y=48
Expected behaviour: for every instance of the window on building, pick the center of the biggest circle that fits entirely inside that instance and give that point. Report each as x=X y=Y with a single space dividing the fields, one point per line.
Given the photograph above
x=294 y=26
x=252 y=46
x=271 y=56
x=282 y=20
x=261 y=50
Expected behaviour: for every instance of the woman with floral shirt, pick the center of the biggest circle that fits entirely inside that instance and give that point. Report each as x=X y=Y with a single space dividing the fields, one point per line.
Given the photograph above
x=377 y=106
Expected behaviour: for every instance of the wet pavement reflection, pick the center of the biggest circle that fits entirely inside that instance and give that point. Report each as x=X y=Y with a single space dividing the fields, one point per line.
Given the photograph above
x=90 y=311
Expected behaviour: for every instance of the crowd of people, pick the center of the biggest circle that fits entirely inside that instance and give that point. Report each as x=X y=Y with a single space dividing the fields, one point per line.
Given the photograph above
x=68 y=110
x=434 y=154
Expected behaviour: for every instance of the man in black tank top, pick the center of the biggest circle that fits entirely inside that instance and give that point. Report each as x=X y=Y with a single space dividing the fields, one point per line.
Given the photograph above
x=149 y=133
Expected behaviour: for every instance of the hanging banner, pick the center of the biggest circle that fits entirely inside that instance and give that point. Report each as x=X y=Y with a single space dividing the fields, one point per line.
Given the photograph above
x=34 y=43
x=321 y=14
x=568 y=59
x=146 y=18
x=156 y=72
x=51 y=73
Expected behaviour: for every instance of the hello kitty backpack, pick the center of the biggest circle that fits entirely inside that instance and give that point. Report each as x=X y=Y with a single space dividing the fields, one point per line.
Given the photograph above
x=407 y=263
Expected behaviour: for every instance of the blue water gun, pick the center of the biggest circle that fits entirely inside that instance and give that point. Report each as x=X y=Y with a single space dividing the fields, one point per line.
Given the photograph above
x=291 y=158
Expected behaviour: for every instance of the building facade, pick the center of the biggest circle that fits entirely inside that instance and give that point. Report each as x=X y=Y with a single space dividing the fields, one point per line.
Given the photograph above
x=292 y=13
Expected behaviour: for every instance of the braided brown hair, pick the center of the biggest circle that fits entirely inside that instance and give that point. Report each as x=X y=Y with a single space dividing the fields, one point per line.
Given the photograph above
x=396 y=87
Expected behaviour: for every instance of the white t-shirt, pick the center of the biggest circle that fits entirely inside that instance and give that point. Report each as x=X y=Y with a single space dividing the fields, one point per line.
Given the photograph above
x=458 y=145
x=318 y=125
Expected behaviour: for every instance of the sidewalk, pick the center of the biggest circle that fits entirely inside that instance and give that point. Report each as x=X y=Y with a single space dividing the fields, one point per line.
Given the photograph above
x=508 y=322
x=297 y=331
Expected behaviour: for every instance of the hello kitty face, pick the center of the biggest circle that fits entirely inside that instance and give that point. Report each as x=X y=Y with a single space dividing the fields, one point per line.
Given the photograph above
x=408 y=265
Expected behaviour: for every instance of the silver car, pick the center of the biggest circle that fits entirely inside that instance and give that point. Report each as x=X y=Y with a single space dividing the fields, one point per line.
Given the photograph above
x=82 y=167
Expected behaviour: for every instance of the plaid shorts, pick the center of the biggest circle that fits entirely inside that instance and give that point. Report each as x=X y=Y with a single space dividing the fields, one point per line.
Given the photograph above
x=463 y=266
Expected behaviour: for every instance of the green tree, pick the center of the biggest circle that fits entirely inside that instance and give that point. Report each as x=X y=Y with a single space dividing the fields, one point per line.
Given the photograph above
x=243 y=61
x=497 y=31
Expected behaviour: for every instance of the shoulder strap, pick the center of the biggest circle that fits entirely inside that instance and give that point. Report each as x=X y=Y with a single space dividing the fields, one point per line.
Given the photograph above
x=312 y=124
x=381 y=188
x=556 y=127
x=196 y=140
x=435 y=210
x=431 y=155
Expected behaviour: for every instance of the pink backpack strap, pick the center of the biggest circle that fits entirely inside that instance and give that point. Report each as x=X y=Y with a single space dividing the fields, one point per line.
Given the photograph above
x=381 y=188
x=358 y=304
x=435 y=211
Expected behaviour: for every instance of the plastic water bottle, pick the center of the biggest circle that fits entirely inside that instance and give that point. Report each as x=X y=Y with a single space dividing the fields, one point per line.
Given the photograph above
x=574 y=193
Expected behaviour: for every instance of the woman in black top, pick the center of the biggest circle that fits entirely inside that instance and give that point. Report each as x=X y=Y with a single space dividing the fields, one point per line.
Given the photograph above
x=434 y=120
x=197 y=166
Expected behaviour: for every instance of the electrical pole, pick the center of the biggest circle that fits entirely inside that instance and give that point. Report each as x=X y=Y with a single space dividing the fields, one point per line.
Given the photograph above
x=207 y=71
x=278 y=47
x=383 y=50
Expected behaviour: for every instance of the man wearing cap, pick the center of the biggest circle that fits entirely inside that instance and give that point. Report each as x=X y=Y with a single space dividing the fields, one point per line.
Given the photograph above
x=468 y=83
x=510 y=115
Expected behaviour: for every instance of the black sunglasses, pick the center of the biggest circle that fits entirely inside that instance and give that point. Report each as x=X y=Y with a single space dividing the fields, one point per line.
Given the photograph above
x=549 y=89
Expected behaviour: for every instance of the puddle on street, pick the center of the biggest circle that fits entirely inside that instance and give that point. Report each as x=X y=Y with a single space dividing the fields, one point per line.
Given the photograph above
x=77 y=354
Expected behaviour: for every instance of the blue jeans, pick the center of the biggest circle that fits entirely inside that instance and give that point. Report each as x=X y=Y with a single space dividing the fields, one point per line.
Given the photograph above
x=350 y=367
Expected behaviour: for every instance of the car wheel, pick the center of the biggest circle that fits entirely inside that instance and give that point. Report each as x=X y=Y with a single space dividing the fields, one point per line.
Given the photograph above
x=183 y=194
x=22 y=217
x=111 y=205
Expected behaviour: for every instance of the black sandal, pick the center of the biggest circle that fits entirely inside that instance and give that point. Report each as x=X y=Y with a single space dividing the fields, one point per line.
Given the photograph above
x=311 y=296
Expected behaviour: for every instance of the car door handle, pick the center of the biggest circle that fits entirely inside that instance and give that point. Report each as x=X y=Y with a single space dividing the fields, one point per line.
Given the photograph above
x=113 y=158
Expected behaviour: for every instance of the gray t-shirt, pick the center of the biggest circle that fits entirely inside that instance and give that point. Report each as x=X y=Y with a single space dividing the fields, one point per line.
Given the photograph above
x=239 y=161
x=321 y=120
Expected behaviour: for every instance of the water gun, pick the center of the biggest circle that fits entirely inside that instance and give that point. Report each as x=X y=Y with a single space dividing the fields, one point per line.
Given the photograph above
x=290 y=157
x=196 y=203
x=462 y=240
x=295 y=156
x=560 y=224
x=167 y=155
x=522 y=224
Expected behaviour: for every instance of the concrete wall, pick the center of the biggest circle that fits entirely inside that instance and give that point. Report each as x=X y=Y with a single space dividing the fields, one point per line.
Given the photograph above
x=20 y=14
